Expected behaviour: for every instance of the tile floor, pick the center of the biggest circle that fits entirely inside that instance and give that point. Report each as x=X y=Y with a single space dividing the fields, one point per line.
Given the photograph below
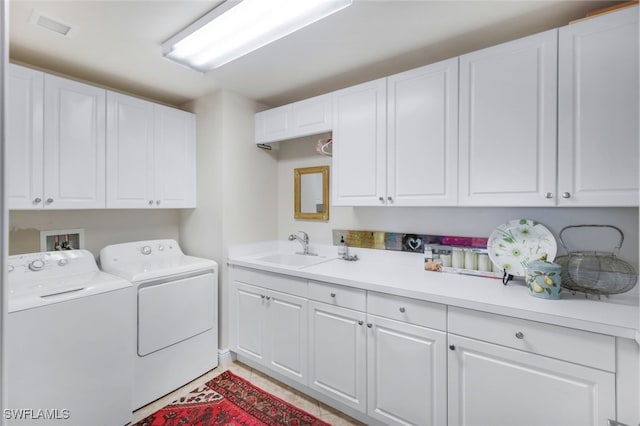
x=318 y=409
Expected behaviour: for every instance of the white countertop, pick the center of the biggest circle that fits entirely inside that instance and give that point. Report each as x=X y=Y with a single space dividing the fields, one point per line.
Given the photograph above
x=403 y=274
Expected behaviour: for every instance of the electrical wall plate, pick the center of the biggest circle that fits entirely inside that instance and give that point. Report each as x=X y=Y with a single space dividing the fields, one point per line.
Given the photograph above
x=61 y=239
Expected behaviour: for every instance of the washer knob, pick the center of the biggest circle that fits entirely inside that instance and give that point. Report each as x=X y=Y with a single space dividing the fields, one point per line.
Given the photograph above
x=36 y=265
x=10 y=268
x=160 y=247
x=145 y=250
x=63 y=262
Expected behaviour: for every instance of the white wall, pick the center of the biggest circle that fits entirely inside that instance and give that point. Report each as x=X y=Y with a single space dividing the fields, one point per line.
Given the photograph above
x=102 y=227
x=237 y=187
x=461 y=221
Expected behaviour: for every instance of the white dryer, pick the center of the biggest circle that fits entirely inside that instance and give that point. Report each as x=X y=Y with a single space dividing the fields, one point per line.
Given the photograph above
x=176 y=299
x=69 y=342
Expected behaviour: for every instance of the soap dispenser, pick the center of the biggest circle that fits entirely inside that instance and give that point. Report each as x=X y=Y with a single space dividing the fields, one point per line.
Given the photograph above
x=342 y=248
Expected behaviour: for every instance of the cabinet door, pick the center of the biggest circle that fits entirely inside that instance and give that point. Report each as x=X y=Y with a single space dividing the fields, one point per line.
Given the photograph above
x=358 y=176
x=337 y=364
x=24 y=138
x=130 y=160
x=508 y=123
x=74 y=144
x=407 y=377
x=494 y=385
x=288 y=331
x=311 y=116
x=273 y=124
x=598 y=110
x=422 y=138
x=175 y=158
x=250 y=322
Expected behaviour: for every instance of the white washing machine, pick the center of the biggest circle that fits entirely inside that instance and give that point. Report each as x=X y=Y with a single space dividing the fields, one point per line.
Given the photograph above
x=69 y=342
x=176 y=298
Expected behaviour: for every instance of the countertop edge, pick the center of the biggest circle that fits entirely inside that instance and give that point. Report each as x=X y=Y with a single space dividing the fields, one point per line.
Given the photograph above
x=612 y=328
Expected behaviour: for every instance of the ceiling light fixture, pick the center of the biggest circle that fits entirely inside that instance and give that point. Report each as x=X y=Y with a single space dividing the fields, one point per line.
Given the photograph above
x=238 y=27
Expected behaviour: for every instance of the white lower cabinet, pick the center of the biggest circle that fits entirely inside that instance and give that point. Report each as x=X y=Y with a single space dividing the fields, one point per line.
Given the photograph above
x=406 y=373
x=270 y=328
x=493 y=383
x=337 y=343
x=392 y=360
x=337 y=353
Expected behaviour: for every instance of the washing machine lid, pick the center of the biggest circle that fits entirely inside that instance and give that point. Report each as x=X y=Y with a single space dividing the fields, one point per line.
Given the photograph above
x=151 y=260
x=40 y=279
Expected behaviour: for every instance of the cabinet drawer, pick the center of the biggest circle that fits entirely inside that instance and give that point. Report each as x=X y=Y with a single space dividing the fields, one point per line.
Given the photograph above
x=581 y=347
x=271 y=281
x=418 y=312
x=346 y=297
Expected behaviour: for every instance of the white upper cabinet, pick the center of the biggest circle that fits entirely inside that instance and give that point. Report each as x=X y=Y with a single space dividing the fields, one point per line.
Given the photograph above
x=74 y=144
x=395 y=139
x=150 y=155
x=598 y=111
x=358 y=176
x=311 y=116
x=422 y=136
x=273 y=124
x=55 y=142
x=175 y=157
x=303 y=118
x=24 y=138
x=508 y=96
x=130 y=161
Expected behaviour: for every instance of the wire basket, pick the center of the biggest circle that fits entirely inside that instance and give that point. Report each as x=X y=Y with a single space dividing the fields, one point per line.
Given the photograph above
x=595 y=272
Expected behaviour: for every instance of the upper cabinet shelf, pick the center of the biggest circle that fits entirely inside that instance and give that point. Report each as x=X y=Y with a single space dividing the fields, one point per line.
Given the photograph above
x=307 y=117
x=546 y=120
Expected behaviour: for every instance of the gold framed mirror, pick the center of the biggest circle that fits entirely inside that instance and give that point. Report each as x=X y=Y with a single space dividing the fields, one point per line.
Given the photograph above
x=311 y=193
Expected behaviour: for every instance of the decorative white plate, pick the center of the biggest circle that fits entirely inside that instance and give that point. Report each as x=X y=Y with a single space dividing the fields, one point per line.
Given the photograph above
x=513 y=245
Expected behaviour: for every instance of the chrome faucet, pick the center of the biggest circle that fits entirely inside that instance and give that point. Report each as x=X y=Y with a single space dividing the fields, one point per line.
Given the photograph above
x=304 y=240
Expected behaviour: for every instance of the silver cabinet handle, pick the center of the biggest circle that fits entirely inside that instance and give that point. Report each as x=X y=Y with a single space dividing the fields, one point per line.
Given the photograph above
x=548 y=195
x=360 y=322
x=402 y=309
x=49 y=200
x=262 y=296
x=381 y=199
x=333 y=295
x=37 y=200
x=566 y=195
x=452 y=347
x=369 y=325
x=390 y=199
x=268 y=297
x=519 y=335
x=150 y=202
x=157 y=202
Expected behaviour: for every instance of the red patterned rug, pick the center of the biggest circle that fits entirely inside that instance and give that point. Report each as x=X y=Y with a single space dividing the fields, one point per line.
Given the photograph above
x=230 y=400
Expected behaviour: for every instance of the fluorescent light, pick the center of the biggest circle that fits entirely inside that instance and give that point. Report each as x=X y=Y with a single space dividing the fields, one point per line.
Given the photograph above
x=236 y=28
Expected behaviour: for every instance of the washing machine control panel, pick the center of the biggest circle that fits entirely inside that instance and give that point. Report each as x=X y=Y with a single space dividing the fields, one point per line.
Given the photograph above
x=51 y=263
x=152 y=248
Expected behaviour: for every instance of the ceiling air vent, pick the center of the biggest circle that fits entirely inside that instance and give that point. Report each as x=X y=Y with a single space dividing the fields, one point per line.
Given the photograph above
x=42 y=21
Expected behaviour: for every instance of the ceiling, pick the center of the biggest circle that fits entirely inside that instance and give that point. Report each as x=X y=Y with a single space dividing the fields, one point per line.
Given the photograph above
x=117 y=44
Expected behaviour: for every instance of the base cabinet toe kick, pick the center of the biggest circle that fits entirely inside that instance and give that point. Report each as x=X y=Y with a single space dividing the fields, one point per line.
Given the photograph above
x=391 y=360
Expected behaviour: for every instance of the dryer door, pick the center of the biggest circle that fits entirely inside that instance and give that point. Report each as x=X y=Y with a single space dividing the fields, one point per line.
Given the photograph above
x=173 y=311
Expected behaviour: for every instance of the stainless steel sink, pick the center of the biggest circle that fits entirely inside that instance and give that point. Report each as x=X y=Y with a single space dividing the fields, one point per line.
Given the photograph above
x=291 y=260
